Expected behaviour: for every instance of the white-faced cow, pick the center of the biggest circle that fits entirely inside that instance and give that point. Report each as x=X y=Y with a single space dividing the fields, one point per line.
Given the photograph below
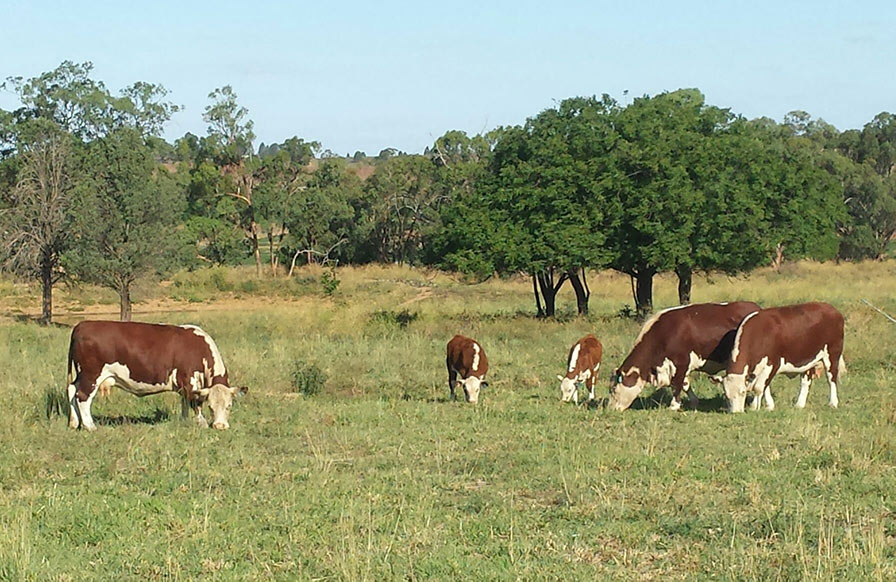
x=791 y=340
x=582 y=366
x=675 y=342
x=143 y=359
x=466 y=359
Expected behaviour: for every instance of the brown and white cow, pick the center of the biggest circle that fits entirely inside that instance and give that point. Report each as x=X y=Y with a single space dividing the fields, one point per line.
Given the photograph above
x=582 y=366
x=674 y=343
x=143 y=359
x=466 y=359
x=791 y=340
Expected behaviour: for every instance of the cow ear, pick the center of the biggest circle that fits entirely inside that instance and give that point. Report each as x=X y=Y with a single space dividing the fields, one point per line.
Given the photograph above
x=484 y=384
x=204 y=392
x=559 y=377
x=239 y=390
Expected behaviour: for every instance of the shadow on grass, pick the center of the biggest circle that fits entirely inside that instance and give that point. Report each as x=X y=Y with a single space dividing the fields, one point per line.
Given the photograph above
x=157 y=416
x=34 y=319
x=662 y=398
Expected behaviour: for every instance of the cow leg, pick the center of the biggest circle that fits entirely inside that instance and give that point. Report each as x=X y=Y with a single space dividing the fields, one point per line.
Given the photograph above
x=763 y=374
x=72 y=406
x=833 y=372
x=805 y=382
x=184 y=407
x=591 y=380
x=769 y=401
x=452 y=382
x=197 y=410
x=83 y=409
x=679 y=383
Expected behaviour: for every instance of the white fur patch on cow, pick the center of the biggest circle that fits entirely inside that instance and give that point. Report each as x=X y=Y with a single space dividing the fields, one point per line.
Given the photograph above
x=665 y=373
x=574 y=357
x=218 y=369
x=740 y=330
x=119 y=375
x=695 y=363
x=475 y=356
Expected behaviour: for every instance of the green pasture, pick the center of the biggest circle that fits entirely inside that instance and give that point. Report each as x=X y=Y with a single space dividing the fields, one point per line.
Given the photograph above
x=378 y=476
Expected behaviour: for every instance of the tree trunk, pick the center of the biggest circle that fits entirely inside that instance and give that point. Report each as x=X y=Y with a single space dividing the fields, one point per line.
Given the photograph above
x=549 y=290
x=779 y=257
x=273 y=258
x=256 y=250
x=685 y=276
x=124 y=295
x=46 y=282
x=580 y=286
x=644 y=292
x=539 y=310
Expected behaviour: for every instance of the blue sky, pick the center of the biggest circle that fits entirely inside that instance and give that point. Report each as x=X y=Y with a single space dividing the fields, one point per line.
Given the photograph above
x=370 y=75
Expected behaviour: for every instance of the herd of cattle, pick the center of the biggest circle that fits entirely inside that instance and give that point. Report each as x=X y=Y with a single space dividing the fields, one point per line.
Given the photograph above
x=751 y=345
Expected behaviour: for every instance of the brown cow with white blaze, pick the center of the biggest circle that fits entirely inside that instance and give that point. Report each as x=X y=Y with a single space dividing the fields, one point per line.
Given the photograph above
x=466 y=359
x=583 y=365
x=674 y=343
x=791 y=340
x=144 y=359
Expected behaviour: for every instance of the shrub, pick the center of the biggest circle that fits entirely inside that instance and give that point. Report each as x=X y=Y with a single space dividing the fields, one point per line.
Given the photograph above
x=401 y=318
x=307 y=378
x=329 y=282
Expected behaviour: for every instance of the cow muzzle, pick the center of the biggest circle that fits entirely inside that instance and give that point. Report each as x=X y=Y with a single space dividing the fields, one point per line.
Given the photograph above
x=221 y=425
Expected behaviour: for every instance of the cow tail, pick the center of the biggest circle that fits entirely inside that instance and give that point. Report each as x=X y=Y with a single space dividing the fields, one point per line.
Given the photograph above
x=72 y=372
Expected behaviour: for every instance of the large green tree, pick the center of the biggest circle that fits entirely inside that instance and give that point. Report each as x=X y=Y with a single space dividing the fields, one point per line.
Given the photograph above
x=60 y=112
x=127 y=219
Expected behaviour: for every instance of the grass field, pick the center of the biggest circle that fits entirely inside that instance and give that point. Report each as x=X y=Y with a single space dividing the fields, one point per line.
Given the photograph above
x=380 y=477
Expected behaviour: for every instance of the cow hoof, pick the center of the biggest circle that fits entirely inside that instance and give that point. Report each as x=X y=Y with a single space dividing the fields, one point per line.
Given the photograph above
x=675 y=405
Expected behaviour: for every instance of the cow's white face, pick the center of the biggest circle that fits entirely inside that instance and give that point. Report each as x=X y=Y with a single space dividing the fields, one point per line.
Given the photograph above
x=220 y=399
x=624 y=388
x=569 y=389
x=472 y=386
x=735 y=391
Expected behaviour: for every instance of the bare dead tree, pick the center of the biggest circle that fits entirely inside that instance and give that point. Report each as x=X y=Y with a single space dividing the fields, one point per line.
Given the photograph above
x=35 y=229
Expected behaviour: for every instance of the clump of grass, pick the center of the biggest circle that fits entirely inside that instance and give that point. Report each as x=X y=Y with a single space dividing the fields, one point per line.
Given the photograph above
x=307 y=378
x=55 y=403
x=401 y=319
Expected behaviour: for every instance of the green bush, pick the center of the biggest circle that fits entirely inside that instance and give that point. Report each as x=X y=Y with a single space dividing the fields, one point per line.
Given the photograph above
x=307 y=378
x=401 y=318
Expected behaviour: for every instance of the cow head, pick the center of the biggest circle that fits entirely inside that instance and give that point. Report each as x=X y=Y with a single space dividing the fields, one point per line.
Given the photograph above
x=735 y=391
x=625 y=387
x=569 y=389
x=219 y=399
x=472 y=386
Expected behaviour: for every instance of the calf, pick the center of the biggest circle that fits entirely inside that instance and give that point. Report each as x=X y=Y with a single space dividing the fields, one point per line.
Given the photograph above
x=466 y=359
x=583 y=365
x=791 y=340
x=143 y=359
x=675 y=342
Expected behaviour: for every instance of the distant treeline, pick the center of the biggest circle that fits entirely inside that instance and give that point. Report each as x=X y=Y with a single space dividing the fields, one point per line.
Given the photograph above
x=91 y=192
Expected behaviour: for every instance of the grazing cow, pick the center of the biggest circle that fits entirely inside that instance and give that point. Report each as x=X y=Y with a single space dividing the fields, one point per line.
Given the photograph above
x=793 y=340
x=143 y=359
x=583 y=365
x=675 y=342
x=466 y=358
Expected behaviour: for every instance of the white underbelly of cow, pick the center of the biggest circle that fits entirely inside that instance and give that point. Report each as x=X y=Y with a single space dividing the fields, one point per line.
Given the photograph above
x=119 y=375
